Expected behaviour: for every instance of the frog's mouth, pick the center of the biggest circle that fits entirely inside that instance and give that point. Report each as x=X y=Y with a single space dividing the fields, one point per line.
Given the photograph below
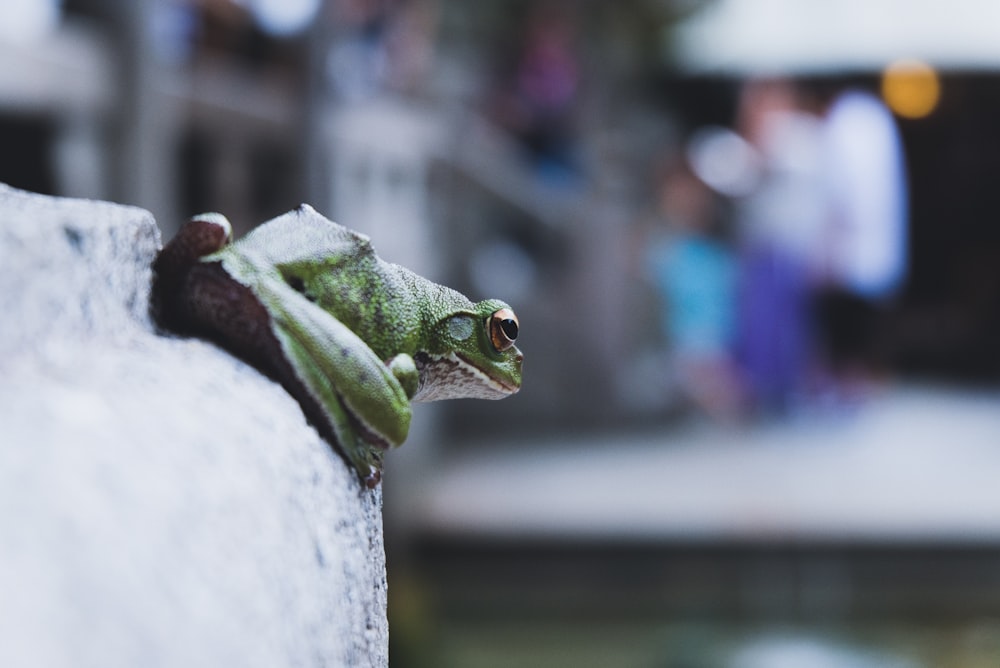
x=454 y=377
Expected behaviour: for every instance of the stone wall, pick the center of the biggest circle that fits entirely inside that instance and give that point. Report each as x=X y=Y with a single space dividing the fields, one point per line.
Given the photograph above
x=161 y=503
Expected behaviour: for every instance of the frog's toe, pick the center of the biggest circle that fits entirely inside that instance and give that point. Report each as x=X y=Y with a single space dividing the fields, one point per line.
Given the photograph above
x=404 y=369
x=200 y=236
x=211 y=231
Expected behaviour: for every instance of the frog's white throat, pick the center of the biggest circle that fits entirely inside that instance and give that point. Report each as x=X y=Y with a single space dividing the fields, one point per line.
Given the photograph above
x=452 y=377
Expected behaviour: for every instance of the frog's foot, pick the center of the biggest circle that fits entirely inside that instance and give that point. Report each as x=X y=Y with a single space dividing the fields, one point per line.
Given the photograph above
x=373 y=479
x=339 y=429
x=201 y=236
x=368 y=464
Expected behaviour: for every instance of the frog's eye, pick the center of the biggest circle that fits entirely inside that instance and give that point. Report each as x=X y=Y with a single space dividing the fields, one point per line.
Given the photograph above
x=503 y=329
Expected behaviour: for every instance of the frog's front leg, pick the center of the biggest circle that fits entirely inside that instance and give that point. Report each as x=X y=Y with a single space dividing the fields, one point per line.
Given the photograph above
x=321 y=403
x=360 y=397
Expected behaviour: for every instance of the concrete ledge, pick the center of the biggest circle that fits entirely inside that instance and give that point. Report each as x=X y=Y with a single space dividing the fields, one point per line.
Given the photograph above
x=161 y=503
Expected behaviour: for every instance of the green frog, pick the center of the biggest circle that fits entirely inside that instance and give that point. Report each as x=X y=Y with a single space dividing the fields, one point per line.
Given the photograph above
x=352 y=337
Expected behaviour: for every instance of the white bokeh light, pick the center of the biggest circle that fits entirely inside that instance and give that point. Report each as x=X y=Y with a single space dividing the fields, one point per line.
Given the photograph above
x=284 y=18
x=26 y=20
x=724 y=161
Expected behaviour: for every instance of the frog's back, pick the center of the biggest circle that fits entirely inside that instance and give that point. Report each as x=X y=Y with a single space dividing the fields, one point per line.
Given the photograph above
x=377 y=300
x=305 y=236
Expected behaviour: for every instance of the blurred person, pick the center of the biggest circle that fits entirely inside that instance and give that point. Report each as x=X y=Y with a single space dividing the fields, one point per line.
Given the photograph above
x=357 y=60
x=382 y=46
x=780 y=222
x=864 y=242
x=694 y=271
x=544 y=91
x=409 y=45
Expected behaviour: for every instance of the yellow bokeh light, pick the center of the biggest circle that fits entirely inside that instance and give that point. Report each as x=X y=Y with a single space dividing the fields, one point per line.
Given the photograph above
x=911 y=88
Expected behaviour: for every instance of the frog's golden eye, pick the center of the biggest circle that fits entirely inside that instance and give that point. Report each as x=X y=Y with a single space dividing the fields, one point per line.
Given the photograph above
x=503 y=329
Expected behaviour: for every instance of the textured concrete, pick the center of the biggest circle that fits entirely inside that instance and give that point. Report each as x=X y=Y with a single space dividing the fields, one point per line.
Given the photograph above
x=161 y=503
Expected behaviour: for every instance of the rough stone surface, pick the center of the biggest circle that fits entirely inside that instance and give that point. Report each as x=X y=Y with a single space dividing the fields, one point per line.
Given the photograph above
x=161 y=503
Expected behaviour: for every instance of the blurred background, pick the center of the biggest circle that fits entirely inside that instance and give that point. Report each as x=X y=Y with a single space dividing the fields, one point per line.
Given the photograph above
x=754 y=251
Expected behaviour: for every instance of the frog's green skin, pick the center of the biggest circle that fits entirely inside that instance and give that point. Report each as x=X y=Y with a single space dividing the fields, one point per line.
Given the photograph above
x=359 y=337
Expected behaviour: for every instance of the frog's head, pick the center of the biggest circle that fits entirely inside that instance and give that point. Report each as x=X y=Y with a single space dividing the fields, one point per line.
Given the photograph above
x=472 y=355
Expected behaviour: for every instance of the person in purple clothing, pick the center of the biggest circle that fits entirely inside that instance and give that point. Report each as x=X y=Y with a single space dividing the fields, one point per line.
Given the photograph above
x=781 y=223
